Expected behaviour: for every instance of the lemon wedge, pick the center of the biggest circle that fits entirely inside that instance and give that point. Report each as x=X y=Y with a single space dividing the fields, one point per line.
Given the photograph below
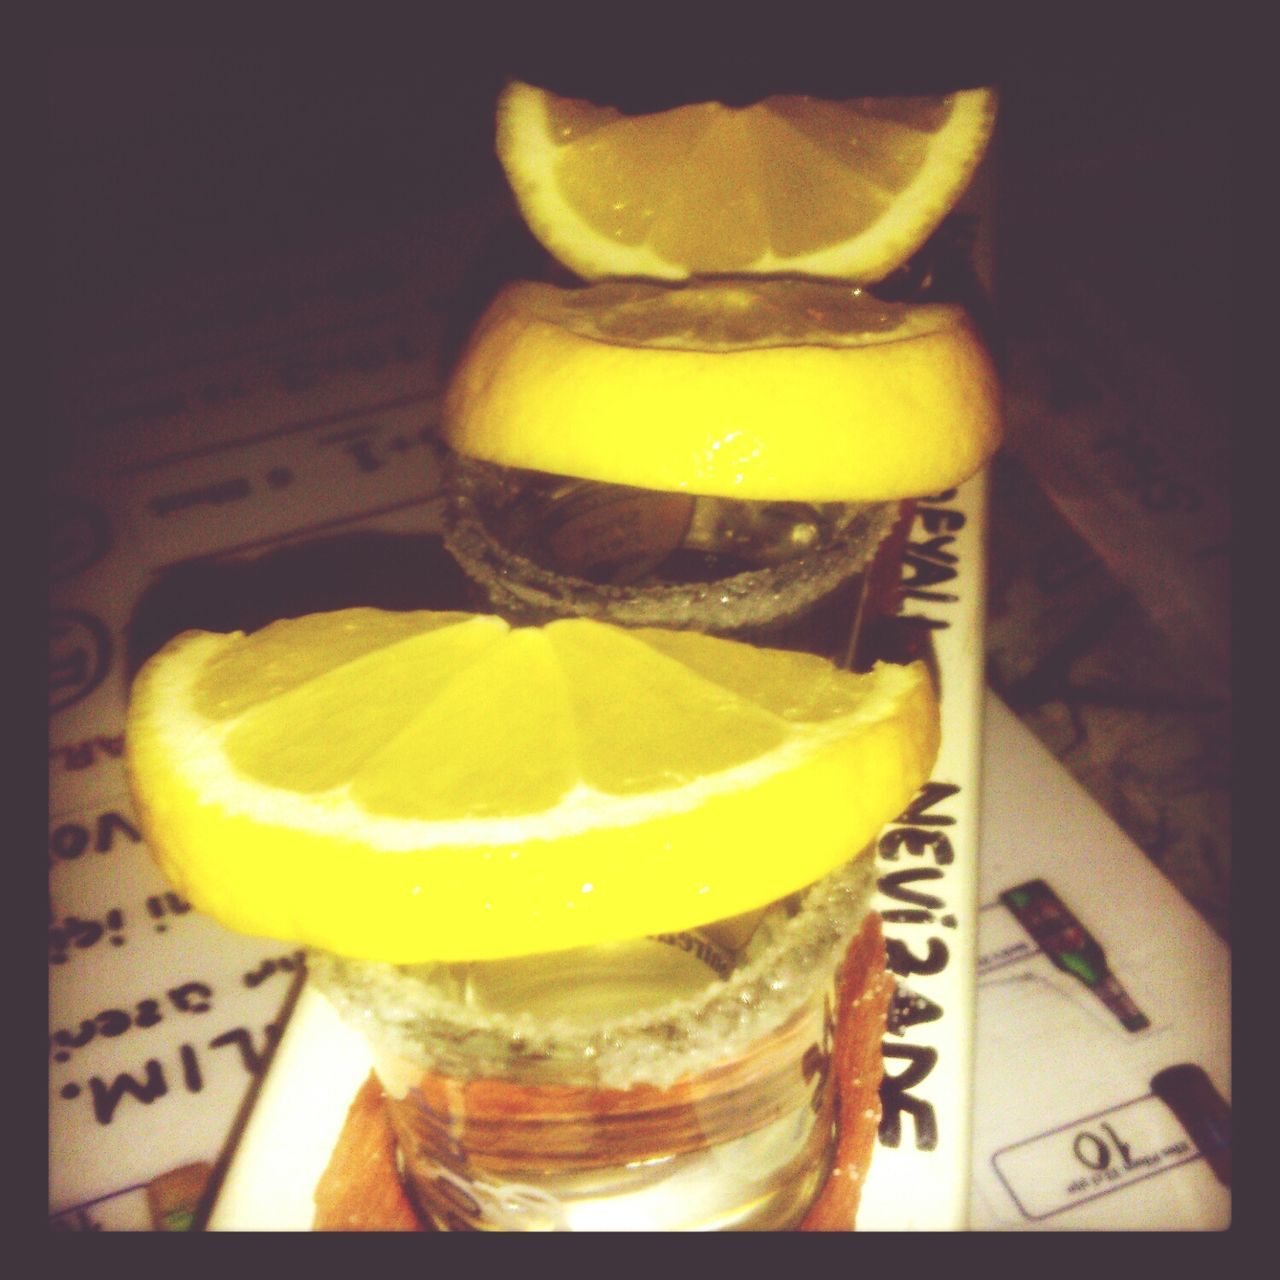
x=791 y=185
x=421 y=786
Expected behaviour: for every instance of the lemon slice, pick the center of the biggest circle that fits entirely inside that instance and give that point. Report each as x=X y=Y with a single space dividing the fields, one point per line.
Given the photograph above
x=421 y=786
x=790 y=185
x=755 y=389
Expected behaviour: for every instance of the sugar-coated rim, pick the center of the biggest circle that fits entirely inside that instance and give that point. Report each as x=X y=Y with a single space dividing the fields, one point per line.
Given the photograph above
x=403 y=1017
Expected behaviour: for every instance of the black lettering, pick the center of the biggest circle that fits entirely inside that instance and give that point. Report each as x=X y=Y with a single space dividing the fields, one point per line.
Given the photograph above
x=908 y=1009
x=80 y=655
x=191 y=1075
x=280 y=964
x=148 y=1014
x=113 y=1022
x=940 y=520
x=77 y=757
x=259 y=975
x=715 y=960
x=891 y=885
x=229 y=490
x=107 y=1097
x=74 y=1039
x=362 y=452
x=932 y=793
x=896 y=1097
x=82 y=933
x=108 y=825
x=250 y=1058
x=159 y=905
x=1091 y=1151
x=68 y=841
x=935 y=549
x=917 y=623
x=905 y=963
x=916 y=842
x=1125 y=1150
x=925 y=573
x=931 y=597
x=191 y=997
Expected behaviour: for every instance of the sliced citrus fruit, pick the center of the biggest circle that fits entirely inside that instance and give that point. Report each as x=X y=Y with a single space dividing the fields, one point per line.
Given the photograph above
x=791 y=185
x=756 y=389
x=421 y=786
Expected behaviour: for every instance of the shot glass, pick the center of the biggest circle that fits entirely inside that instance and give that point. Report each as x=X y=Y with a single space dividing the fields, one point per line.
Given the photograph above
x=678 y=1082
x=785 y=574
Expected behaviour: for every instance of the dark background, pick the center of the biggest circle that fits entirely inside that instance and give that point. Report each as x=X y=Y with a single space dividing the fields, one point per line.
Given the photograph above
x=165 y=155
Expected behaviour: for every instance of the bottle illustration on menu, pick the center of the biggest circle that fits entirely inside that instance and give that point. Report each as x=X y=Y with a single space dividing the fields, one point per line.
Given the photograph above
x=1071 y=947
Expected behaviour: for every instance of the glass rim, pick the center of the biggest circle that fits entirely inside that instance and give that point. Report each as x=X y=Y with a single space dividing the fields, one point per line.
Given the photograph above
x=747 y=599
x=404 y=1017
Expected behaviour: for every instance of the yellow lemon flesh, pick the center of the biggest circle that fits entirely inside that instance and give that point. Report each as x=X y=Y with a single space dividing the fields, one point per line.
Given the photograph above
x=791 y=185
x=755 y=389
x=422 y=786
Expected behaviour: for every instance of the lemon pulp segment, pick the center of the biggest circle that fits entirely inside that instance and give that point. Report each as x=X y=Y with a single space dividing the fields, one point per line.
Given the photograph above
x=790 y=185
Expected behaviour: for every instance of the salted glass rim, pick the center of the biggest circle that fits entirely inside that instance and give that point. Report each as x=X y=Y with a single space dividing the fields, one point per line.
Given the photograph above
x=403 y=1015
x=745 y=599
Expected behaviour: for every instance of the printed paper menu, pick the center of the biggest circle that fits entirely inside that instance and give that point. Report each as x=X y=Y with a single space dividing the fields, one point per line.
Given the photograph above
x=1103 y=1071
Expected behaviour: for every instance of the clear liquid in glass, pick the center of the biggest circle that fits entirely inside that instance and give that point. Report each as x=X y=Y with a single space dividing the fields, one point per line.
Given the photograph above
x=679 y=1082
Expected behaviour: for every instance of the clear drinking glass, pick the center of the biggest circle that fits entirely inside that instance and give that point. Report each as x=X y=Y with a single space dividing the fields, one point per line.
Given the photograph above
x=786 y=574
x=676 y=1082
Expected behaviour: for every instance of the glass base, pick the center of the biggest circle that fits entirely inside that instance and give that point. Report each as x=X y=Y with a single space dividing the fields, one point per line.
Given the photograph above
x=654 y=1089
x=742 y=1147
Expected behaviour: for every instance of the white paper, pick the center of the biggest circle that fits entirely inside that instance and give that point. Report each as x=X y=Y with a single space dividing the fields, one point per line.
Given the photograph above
x=1068 y=1134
